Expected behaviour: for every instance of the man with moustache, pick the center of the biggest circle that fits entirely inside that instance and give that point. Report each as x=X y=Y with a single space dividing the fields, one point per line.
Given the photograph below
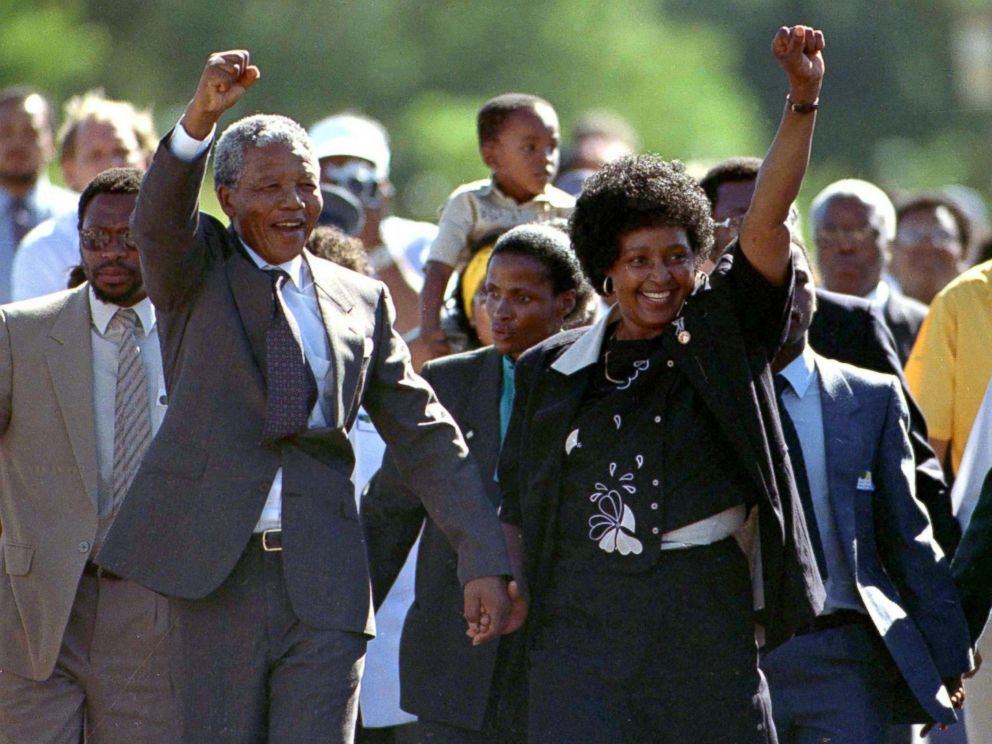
x=846 y=328
x=96 y=134
x=243 y=512
x=26 y=196
x=81 y=395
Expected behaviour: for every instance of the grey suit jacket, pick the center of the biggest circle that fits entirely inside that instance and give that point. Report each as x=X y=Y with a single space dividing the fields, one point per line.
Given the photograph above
x=195 y=501
x=443 y=677
x=902 y=577
x=48 y=474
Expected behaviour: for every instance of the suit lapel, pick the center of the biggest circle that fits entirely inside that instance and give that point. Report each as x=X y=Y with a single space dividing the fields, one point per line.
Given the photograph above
x=69 y=356
x=481 y=412
x=345 y=342
x=252 y=292
x=840 y=415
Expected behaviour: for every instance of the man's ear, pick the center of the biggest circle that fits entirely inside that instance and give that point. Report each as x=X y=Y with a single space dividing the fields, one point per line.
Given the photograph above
x=224 y=194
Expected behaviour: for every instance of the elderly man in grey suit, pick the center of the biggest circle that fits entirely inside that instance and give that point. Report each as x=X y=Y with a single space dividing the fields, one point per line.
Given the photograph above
x=891 y=642
x=243 y=511
x=81 y=650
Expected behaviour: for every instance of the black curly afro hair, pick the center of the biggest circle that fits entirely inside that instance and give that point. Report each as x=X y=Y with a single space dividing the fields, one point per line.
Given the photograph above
x=628 y=194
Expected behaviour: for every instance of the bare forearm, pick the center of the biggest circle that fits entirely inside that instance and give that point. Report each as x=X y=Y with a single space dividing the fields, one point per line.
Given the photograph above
x=764 y=234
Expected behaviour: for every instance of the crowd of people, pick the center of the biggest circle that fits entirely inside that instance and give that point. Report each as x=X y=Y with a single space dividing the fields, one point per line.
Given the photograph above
x=606 y=455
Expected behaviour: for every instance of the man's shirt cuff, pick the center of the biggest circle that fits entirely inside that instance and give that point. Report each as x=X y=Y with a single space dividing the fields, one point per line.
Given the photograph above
x=184 y=147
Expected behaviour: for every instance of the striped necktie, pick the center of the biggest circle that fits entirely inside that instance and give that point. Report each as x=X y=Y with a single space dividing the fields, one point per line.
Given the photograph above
x=132 y=419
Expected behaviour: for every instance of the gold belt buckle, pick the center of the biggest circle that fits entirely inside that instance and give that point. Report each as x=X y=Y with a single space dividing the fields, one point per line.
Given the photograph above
x=265 y=541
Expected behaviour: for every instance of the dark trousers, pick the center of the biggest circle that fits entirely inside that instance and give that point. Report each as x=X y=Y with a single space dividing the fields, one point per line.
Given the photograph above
x=247 y=671
x=833 y=685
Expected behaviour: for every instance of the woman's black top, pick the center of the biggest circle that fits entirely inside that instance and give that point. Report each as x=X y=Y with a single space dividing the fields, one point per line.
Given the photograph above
x=644 y=456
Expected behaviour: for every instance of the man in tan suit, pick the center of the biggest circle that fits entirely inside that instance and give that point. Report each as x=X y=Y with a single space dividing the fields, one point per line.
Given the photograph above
x=81 y=650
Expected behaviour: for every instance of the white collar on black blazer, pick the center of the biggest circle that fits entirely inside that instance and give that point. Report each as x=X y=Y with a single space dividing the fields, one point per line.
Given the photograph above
x=585 y=351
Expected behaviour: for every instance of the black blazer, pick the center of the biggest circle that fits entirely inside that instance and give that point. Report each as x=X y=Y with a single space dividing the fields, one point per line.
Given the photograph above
x=851 y=329
x=200 y=490
x=972 y=566
x=904 y=316
x=736 y=325
x=442 y=676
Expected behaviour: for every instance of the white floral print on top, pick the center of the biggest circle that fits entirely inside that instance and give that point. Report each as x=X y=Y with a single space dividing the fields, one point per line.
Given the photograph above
x=614 y=525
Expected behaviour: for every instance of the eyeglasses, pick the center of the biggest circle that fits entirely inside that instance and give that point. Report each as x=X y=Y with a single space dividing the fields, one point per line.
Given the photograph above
x=913 y=236
x=358 y=177
x=733 y=222
x=93 y=239
x=833 y=236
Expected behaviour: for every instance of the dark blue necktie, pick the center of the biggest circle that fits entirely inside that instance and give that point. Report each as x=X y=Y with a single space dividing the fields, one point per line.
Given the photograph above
x=291 y=387
x=802 y=479
x=20 y=218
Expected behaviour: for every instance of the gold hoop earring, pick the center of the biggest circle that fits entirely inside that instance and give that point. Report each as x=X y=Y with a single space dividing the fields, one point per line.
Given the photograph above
x=608 y=286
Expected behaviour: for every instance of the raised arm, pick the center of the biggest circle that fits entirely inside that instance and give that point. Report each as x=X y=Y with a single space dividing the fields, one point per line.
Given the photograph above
x=167 y=219
x=764 y=235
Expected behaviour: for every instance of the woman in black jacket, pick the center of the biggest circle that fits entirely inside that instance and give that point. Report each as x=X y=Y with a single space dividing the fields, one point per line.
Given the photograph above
x=638 y=447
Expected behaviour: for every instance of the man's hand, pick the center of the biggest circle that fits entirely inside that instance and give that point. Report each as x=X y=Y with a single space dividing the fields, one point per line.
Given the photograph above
x=798 y=50
x=955 y=689
x=225 y=78
x=519 y=604
x=487 y=607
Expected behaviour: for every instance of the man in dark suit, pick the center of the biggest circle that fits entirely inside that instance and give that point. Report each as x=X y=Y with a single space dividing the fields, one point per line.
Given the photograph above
x=853 y=224
x=243 y=512
x=846 y=328
x=891 y=640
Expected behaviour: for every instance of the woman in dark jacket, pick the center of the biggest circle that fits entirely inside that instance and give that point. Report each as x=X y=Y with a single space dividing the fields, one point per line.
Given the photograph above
x=533 y=286
x=638 y=447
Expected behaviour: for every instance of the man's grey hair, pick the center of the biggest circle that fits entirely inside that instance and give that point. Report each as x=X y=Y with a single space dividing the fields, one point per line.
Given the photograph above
x=260 y=130
x=867 y=193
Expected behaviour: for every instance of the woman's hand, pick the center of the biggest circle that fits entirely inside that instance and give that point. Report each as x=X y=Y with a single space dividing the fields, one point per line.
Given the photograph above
x=798 y=50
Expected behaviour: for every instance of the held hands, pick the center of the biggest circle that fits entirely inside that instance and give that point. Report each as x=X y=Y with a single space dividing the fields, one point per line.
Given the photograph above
x=225 y=78
x=487 y=608
x=798 y=50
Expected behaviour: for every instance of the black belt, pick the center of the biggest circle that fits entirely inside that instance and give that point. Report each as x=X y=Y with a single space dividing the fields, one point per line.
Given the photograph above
x=835 y=619
x=270 y=540
x=99 y=572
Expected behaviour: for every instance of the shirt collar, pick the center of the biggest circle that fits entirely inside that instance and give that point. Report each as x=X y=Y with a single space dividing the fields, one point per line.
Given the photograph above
x=801 y=372
x=880 y=295
x=101 y=312
x=549 y=195
x=585 y=351
x=295 y=268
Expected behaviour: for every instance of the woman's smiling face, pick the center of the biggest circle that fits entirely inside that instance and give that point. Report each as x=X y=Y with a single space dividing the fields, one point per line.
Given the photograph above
x=653 y=274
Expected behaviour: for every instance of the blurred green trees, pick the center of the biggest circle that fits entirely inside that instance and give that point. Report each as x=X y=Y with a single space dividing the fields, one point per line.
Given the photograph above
x=696 y=79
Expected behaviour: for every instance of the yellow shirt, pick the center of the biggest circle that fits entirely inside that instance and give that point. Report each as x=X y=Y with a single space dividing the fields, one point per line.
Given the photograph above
x=951 y=362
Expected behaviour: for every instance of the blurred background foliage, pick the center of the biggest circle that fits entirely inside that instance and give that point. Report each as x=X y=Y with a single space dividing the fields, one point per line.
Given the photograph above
x=905 y=104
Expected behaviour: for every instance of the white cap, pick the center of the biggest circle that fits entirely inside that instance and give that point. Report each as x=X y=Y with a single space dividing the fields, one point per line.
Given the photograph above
x=353 y=136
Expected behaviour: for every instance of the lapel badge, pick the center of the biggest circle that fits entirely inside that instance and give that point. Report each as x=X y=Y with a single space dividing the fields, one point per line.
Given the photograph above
x=681 y=334
x=865 y=483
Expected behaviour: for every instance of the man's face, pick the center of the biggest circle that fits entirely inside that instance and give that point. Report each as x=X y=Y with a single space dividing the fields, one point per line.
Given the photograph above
x=850 y=247
x=524 y=155
x=357 y=175
x=732 y=201
x=101 y=144
x=927 y=252
x=803 y=299
x=110 y=258
x=276 y=202
x=25 y=141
